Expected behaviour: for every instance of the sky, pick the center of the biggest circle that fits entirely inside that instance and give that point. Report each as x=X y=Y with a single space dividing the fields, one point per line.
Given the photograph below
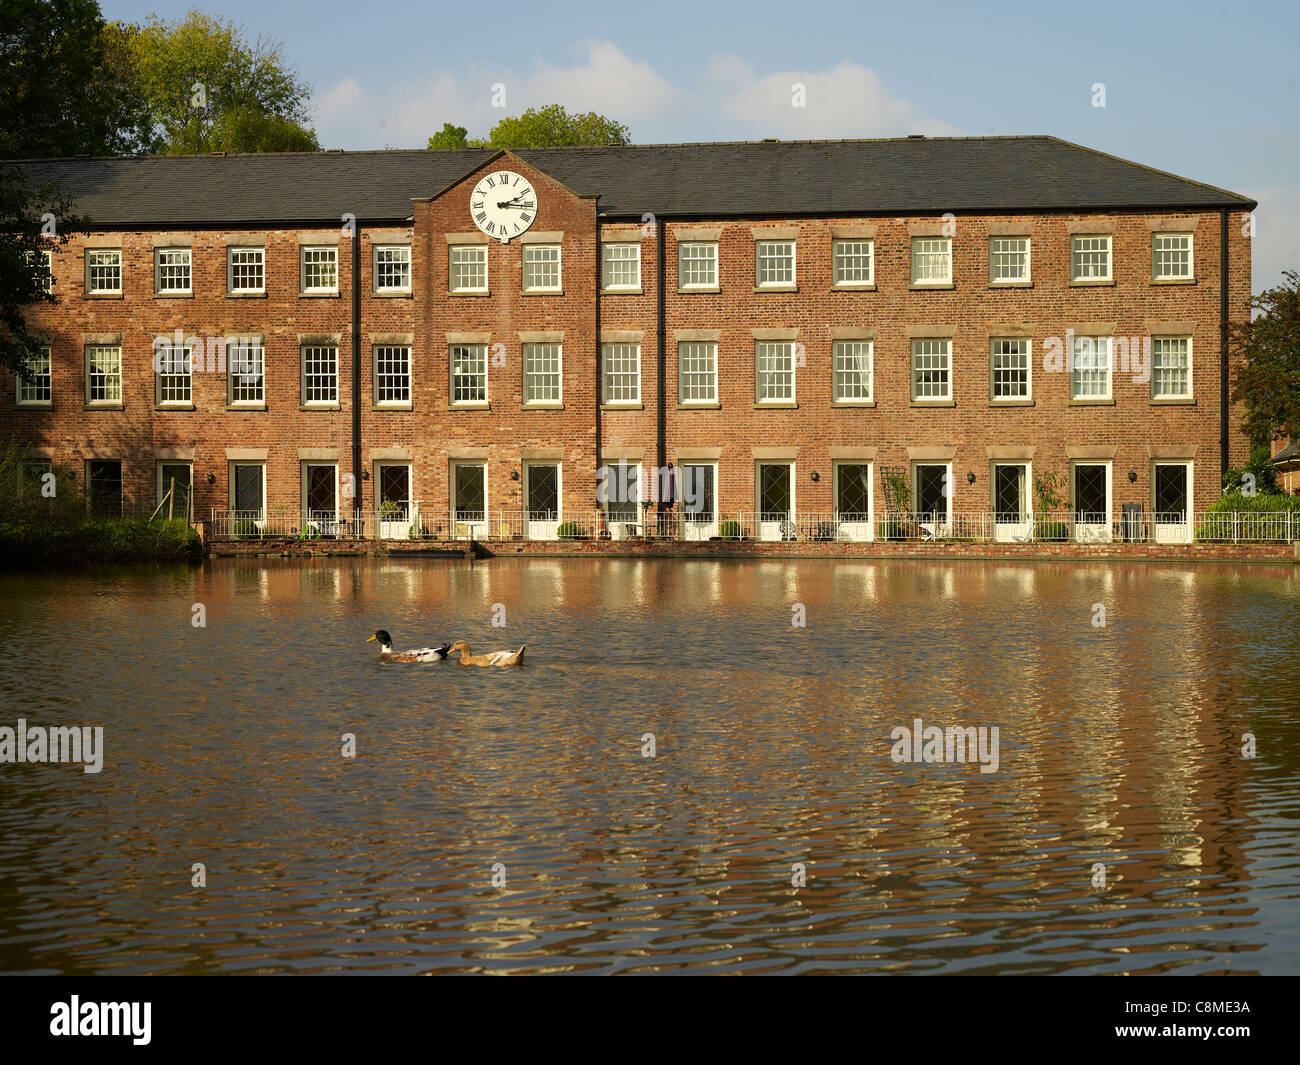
x=1201 y=90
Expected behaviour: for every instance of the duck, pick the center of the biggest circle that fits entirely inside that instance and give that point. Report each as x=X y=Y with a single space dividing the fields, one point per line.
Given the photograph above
x=417 y=654
x=492 y=658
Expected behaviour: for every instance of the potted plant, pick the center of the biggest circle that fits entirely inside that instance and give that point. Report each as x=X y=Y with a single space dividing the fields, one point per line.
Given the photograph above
x=570 y=530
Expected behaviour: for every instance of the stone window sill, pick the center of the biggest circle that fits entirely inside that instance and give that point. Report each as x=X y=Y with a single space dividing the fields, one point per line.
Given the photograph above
x=853 y=403
x=468 y=292
x=395 y=294
x=246 y=295
x=104 y=296
x=1091 y=403
x=776 y=405
x=699 y=406
x=1173 y=281
x=1011 y=284
x=700 y=290
x=103 y=406
x=246 y=406
x=1174 y=402
x=47 y=405
x=174 y=406
x=622 y=406
x=854 y=288
x=1092 y=282
x=469 y=406
x=933 y=403
x=541 y=292
x=390 y=406
x=173 y=295
x=776 y=288
x=541 y=406
x=622 y=292
x=319 y=406
x=938 y=286
x=318 y=295
x=995 y=402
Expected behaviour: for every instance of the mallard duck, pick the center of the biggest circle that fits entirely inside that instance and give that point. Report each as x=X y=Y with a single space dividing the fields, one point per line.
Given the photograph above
x=492 y=658
x=417 y=654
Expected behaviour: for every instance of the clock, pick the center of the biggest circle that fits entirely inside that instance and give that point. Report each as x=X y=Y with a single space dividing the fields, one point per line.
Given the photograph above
x=503 y=205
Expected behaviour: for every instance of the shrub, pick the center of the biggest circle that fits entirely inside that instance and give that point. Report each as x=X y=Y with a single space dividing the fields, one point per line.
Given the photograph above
x=245 y=530
x=892 y=529
x=570 y=530
x=1051 y=530
x=1237 y=516
x=729 y=530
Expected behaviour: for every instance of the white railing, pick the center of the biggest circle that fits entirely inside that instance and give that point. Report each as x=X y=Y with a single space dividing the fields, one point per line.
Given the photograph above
x=414 y=520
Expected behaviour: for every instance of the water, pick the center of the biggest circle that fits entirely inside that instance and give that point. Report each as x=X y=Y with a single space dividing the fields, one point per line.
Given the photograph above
x=1118 y=745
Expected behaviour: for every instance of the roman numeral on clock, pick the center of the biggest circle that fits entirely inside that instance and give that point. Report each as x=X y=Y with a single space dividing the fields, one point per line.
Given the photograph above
x=481 y=216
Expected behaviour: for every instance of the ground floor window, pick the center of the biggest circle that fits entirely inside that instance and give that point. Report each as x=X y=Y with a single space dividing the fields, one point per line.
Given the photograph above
x=320 y=492
x=248 y=491
x=622 y=491
x=394 y=491
x=469 y=491
x=853 y=491
x=932 y=489
x=104 y=488
x=1090 y=490
x=1010 y=492
x=178 y=479
x=543 y=491
x=697 y=489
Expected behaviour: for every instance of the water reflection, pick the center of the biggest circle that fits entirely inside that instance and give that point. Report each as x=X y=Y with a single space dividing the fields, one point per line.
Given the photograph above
x=1120 y=745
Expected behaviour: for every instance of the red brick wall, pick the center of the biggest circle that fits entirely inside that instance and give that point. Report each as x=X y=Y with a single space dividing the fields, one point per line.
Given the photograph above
x=430 y=430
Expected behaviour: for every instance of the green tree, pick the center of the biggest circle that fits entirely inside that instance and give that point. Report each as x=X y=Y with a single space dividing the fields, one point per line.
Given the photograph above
x=450 y=137
x=553 y=126
x=1266 y=351
x=206 y=89
x=33 y=220
x=65 y=83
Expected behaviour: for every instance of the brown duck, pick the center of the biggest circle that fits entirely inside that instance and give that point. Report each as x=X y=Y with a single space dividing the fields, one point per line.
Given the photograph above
x=492 y=658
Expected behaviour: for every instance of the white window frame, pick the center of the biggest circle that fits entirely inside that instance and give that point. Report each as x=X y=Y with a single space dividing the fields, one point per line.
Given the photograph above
x=332 y=255
x=837 y=280
x=1157 y=395
x=119 y=401
x=530 y=349
x=164 y=356
x=837 y=347
x=993 y=369
x=711 y=258
x=1076 y=251
x=759 y=372
x=605 y=374
x=946 y=250
x=48 y=256
x=302 y=366
x=606 y=259
x=304 y=486
x=231 y=252
x=1155 y=252
x=995 y=251
x=382 y=249
x=1093 y=531
x=158 y=476
x=21 y=380
x=768 y=250
x=709 y=349
x=530 y=268
x=870 y=520
x=916 y=484
x=479 y=252
x=231 y=485
x=375 y=350
x=481 y=351
x=91 y=266
x=917 y=344
x=158 y=271
x=1075 y=395
x=693 y=517
x=255 y=344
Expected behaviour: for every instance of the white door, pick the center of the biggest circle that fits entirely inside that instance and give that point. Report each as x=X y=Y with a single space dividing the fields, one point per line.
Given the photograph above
x=775 y=500
x=542 y=500
x=469 y=500
x=1011 y=518
x=320 y=499
x=393 y=501
x=932 y=509
x=1090 y=490
x=698 y=500
x=1171 y=507
x=852 y=501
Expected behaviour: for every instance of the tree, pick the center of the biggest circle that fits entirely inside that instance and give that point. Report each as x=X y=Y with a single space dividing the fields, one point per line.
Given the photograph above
x=206 y=89
x=551 y=126
x=450 y=137
x=1267 y=354
x=33 y=220
x=64 y=83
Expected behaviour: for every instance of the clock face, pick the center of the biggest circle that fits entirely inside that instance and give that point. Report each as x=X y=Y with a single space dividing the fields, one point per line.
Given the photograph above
x=503 y=205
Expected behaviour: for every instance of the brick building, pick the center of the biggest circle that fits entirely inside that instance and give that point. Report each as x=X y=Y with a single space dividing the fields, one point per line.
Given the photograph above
x=824 y=329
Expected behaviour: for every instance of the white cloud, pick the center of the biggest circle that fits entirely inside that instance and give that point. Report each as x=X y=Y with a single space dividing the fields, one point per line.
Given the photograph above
x=848 y=100
x=732 y=101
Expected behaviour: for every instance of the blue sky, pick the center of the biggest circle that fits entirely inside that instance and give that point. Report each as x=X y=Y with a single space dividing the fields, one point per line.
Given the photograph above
x=1203 y=90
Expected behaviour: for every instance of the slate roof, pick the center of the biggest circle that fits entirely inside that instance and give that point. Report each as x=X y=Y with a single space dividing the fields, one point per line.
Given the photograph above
x=1290 y=453
x=743 y=179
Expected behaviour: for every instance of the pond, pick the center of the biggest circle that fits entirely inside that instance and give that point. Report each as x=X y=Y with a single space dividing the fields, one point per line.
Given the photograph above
x=701 y=765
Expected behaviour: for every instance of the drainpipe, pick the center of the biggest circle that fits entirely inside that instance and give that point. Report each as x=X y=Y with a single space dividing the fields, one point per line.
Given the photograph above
x=356 y=365
x=661 y=450
x=599 y=356
x=1223 y=345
